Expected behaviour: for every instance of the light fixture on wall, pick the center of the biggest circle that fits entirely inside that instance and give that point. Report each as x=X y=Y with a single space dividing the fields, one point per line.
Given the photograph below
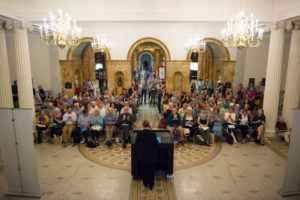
x=195 y=44
x=60 y=29
x=101 y=43
x=243 y=31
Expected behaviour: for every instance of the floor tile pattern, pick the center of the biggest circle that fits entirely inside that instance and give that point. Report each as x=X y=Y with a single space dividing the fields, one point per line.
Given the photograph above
x=189 y=155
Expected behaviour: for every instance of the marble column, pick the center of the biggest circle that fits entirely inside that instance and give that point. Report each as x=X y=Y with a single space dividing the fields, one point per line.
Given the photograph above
x=292 y=86
x=240 y=66
x=6 y=100
x=273 y=77
x=291 y=183
x=23 y=69
x=16 y=125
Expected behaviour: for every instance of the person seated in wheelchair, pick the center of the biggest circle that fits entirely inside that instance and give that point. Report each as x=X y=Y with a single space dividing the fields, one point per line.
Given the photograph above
x=230 y=126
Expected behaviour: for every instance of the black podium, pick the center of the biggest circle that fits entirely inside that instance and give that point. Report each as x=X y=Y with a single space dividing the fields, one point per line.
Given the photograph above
x=165 y=161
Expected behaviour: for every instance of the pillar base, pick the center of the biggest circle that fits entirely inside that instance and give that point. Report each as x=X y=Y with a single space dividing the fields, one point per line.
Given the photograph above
x=290 y=193
x=21 y=195
x=270 y=133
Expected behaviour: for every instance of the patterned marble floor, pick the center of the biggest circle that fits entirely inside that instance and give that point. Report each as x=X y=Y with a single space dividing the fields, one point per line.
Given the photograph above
x=240 y=172
x=278 y=146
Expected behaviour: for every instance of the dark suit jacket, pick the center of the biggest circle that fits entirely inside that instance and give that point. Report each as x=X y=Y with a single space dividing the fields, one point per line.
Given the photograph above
x=147 y=145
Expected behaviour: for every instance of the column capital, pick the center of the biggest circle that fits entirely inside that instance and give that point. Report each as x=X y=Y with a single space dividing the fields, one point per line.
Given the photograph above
x=296 y=25
x=289 y=26
x=278 y=25
x=1 y=25
x=6 y=25
x=21 y=25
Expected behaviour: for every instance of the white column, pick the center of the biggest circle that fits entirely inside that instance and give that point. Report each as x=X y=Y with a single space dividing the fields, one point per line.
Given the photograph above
x=291 y=183
x=273 y=77
x=20 y=164
x=6 y=100
x=292 y=86
x=23 y=69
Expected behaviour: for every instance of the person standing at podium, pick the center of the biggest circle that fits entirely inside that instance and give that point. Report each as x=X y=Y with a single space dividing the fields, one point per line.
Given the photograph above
x=147 y=144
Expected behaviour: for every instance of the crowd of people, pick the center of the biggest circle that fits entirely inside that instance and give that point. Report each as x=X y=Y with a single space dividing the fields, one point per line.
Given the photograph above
x=234 y=115
x=86 y=117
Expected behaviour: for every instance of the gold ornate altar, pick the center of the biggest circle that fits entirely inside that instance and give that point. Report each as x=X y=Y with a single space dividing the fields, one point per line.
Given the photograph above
x=213 y=64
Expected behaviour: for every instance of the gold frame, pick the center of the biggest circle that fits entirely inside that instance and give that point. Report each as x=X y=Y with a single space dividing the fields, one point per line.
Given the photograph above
x=214 y=41
x=85 y=40
x=148 y=39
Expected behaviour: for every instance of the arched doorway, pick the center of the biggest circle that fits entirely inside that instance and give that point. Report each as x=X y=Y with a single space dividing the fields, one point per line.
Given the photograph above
x=147 y=56
x=89 y=64
x=145 y=64
x=214 y=63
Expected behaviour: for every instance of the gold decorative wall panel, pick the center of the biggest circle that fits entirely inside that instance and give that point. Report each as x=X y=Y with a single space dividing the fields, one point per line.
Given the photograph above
x=213 y=64
x=228 y=73
x=116 y=69
x=177 y=76
x=88 y=64
x=68 y=69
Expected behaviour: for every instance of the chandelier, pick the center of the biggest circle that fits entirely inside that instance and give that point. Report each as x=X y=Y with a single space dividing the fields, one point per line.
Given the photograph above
x=196 y=43
x=60 y=29
x=243 y=31
x=100 y=43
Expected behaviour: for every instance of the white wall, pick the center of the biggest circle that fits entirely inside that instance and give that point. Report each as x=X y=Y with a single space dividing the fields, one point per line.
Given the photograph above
x=141 y=10
x=284 y=9
x=40 y=61
x=55 y=78
x=256 y=62
x=174 y=34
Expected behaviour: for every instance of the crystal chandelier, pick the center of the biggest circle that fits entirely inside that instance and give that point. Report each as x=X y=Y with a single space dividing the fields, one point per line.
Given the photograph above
x=60 y=29
x=196 y=43
x=243 y=31
x=100 y=43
